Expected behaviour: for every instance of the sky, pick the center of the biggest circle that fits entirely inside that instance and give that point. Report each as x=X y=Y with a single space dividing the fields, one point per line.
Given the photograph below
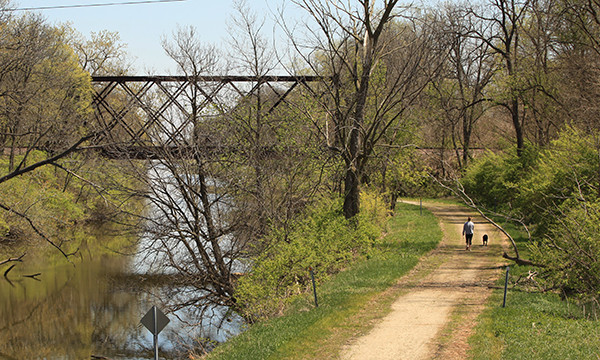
x=142 y=26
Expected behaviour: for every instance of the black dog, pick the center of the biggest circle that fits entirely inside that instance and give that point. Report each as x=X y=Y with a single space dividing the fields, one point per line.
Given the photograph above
x=485 y=239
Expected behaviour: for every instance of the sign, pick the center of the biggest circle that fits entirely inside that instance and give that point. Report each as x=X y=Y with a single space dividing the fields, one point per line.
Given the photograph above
x=155 y=320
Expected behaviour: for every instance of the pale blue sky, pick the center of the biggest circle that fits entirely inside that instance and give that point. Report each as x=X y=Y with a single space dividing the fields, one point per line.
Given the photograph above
x=142 y=26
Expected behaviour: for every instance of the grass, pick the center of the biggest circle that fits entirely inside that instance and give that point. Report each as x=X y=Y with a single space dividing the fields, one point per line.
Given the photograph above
x=533 y=325
x=345 y=301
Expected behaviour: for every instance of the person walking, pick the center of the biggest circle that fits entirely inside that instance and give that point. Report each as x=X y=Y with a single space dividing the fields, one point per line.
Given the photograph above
x=467 y=232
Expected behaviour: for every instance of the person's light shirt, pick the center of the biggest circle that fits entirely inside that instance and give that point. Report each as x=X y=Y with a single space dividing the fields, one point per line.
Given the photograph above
x=468 y=228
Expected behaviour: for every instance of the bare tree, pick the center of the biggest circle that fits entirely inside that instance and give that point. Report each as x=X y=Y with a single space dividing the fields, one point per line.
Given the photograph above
x=244 y=168
x=459 y=90
x=542 y=100
x=187 y=227
x=275 y=141
x=505 y=19
x=376 y=66
x=578 y=52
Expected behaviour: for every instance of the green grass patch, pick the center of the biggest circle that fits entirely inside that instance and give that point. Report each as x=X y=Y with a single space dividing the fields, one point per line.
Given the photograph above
x=533 y=325
x=305 y=331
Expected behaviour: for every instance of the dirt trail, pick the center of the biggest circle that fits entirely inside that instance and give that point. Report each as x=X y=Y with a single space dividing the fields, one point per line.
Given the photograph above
x=448 y=281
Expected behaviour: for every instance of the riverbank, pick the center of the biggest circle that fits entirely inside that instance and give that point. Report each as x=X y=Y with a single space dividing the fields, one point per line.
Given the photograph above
x=533 y=325
x=309 y=332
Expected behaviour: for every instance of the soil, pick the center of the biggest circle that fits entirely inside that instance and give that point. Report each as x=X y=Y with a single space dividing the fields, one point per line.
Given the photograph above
x=445 y=294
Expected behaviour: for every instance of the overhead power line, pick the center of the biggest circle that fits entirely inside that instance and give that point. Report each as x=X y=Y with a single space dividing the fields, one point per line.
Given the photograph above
x=93 y=5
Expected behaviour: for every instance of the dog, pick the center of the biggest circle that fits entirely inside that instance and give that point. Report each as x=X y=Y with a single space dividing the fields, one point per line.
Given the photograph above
x=485 y=239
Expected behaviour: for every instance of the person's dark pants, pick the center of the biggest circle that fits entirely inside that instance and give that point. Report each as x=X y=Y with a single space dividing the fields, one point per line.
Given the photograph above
x=469 y=238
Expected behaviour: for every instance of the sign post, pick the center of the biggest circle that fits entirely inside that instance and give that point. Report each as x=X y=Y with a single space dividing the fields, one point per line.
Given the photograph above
x=155 y=320
x=312 y=275
x=505 y=287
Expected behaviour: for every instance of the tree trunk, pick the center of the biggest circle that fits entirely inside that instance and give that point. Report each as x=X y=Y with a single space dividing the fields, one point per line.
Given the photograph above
x=466 y=140
x=517 y=125
x=352 y=193
x=353 y=166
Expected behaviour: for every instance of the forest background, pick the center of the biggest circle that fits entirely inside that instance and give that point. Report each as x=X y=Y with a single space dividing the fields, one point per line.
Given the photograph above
x=493 y=102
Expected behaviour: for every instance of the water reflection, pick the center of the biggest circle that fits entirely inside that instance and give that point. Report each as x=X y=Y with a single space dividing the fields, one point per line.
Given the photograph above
x=94 y=308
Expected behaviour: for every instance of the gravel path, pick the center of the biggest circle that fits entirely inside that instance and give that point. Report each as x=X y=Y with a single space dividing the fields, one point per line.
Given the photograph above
x=448 y=280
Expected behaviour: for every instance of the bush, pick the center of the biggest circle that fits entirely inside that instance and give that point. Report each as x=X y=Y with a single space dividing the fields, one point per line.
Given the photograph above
x=324 y=241
x=55 y=201
x=41 y=197
x=556 y=192
x=571 y=251
x=495 y=179
x=565 y=172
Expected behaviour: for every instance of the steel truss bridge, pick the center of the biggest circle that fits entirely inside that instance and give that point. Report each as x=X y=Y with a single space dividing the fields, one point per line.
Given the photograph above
x=148 y=115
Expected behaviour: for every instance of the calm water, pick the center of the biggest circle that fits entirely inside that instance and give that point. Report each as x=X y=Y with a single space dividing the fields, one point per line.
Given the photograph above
x=90 y=308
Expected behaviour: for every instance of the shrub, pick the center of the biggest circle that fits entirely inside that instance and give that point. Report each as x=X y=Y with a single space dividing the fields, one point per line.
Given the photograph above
x=53 y=200
x=571 y=250
x=324 y=241
x=568 y=170
x=556 y=192
x=495 y=179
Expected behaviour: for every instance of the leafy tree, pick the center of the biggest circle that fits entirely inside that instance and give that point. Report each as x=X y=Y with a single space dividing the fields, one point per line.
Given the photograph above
x=46 y=94
x=102 y=54
x=44 y=119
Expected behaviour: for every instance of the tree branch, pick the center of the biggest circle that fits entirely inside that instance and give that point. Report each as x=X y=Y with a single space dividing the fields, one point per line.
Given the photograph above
x=17 y=259
x=460 y=192
x=38 y=231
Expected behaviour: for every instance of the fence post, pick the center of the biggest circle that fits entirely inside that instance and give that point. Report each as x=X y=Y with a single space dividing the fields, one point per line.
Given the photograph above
x=312 y=276
x=505 y=286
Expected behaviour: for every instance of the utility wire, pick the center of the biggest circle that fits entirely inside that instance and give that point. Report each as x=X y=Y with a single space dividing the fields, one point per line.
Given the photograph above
x=92 y=5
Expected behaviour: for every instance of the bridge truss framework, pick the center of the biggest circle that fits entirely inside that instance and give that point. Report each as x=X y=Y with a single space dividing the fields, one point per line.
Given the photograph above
x=145 y=113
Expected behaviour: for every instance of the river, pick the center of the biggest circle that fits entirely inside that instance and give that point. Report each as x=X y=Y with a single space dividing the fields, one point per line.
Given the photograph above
x=93 y=307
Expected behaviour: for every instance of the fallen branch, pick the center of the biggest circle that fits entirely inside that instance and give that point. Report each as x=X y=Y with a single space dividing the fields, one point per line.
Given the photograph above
x=470 y=203
x=33 y=276
x=38 y=231
x=19 y=259
x=8 y=270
